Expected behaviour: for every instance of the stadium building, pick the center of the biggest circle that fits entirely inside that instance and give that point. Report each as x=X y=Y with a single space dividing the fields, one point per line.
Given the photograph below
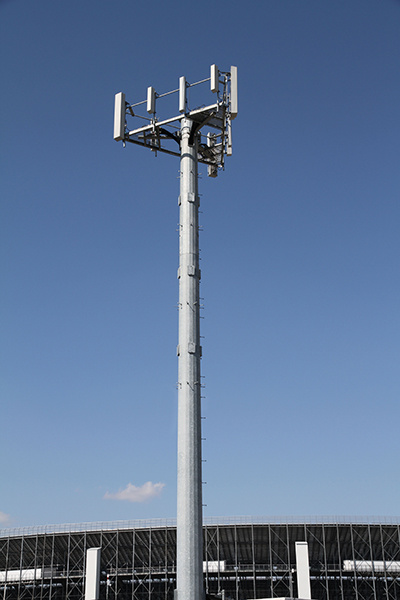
x=244 y=558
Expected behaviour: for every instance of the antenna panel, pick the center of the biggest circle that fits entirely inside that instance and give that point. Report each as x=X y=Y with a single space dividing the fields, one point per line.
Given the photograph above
x=214 y=78
x=229 y=140
x=119 y=117
x=212 y=170
x=151 y=100
x=234 y=93
x=182 y=94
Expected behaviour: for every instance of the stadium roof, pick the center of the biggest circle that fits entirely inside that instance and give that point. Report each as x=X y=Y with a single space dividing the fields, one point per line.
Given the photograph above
x=162 y=523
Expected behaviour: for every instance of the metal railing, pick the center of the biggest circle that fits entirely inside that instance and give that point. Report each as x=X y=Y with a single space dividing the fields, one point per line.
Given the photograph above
x=208 y=521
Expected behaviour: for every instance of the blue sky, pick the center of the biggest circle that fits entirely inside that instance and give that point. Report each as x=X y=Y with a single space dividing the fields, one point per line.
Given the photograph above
x=300 y=261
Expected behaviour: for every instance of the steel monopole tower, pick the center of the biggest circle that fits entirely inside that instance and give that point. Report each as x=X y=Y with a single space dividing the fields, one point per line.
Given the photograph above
x=183 y=135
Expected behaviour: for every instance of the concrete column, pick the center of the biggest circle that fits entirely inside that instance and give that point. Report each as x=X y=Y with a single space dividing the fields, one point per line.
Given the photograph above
x=92 y=574
x=303 y=571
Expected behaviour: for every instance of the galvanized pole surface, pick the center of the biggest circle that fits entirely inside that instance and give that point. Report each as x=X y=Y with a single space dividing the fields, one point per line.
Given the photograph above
x=189 y=494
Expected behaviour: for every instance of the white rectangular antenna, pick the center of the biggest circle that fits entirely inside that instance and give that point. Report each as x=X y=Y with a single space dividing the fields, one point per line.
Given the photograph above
x=212 y=170
x=182 y=94
x=234 y=93
x=119 y=117
x=229 y=141
x=151 y=100
x=214 y=78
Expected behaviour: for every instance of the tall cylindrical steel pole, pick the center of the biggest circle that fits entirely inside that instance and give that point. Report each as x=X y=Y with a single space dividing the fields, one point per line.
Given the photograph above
x=189 y=496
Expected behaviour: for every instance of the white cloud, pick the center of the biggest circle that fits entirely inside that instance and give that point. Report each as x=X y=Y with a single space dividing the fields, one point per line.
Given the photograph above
x=132 y=493
x=4 y=518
